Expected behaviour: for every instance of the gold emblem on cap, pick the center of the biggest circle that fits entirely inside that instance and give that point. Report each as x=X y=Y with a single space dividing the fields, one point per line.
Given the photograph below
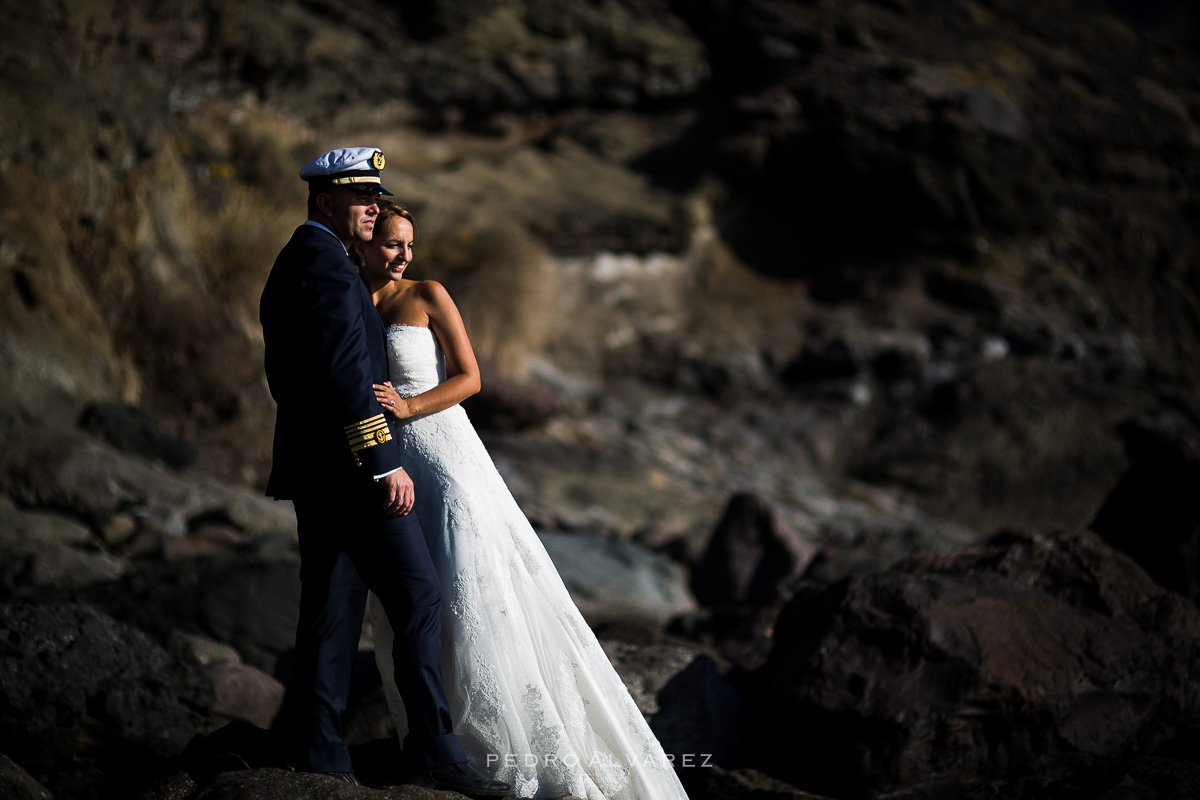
x=377 y=159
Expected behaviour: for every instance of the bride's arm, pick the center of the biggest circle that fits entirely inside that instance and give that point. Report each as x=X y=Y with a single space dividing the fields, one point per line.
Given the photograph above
x=462 y=371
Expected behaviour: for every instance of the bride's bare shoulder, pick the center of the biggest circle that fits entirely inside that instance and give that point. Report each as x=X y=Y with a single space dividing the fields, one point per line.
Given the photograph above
x=432 y=295
x=429 y=289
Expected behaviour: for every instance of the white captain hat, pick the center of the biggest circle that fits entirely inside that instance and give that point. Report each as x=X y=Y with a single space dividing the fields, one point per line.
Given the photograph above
x=353 y=167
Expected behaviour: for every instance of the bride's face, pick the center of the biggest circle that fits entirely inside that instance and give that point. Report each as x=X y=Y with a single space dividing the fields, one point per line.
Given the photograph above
x=389 y=251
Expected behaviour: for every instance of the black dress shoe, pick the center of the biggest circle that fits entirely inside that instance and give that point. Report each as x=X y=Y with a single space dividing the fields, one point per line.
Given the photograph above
x=344 y=777
x=461 y=777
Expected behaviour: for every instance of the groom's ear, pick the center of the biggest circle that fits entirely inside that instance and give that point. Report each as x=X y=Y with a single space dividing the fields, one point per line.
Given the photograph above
x=319 y=204
x=325 y=204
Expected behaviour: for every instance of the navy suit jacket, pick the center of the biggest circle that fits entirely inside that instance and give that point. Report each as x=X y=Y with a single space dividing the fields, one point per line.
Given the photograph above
x=325 y=347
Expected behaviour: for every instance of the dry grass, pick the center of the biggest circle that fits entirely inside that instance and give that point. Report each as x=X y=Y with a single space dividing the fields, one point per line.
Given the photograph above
x=173 y=276
x=56 y=348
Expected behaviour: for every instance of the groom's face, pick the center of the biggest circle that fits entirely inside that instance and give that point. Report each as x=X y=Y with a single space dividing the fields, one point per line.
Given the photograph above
x=353 y=214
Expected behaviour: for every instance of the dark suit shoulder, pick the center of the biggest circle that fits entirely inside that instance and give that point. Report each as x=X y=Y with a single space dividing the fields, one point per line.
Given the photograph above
x=310 y=252
x=310 y=245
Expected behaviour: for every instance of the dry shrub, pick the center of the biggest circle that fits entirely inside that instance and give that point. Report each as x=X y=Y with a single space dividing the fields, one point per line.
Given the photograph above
x=498 y=276
x=266 y=151
x=239 y=241
x=56 y=347
x=215 y=336
x=178 y=271
x=1150 y=273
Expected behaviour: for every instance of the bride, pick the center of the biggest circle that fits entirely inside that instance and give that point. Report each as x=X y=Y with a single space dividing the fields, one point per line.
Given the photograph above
x=534 y=699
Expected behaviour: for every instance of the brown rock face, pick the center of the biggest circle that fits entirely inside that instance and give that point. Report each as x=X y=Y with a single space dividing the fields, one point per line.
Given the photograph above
x=749 y=556
x=1006 y=660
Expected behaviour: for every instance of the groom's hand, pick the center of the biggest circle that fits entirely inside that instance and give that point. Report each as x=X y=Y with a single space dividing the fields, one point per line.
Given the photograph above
x=398 y=493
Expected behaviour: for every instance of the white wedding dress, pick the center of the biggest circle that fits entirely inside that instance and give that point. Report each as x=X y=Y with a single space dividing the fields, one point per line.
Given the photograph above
x=533 y=696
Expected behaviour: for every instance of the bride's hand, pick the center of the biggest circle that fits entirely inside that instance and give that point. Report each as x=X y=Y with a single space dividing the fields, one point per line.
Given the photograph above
x=391 y=400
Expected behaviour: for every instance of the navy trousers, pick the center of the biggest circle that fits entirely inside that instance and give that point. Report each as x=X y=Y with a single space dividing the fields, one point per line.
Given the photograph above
x=346 y=548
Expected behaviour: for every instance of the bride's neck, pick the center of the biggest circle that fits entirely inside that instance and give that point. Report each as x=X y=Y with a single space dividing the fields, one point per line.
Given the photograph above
x=374 y=287
x=381 y=292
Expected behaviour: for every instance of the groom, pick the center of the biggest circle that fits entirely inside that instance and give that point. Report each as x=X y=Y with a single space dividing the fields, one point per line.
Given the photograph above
x=334 y=458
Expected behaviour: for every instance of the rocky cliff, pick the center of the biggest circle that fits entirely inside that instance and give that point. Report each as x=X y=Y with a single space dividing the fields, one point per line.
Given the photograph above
x=777 y=293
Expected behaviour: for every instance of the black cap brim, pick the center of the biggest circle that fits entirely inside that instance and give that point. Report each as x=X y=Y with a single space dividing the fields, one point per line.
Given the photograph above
x=324 y=185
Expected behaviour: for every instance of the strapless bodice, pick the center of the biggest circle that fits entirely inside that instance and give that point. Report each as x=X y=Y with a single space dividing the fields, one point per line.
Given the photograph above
x=415 y=360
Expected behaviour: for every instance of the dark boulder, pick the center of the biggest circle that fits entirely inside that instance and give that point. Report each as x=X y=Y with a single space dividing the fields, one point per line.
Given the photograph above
x=993 y=663
x=1152 y=513
x=54 y=566
x=711 y=782
x=244 y=693
x=700 y=715
x=72 y=473
x=87 y=702
x=132 y=430
x=273 y=783
x=1093 y=778
x=694 y=712
x=17 y=784
x=240 y=761
x=749 y=556
x=248 y=603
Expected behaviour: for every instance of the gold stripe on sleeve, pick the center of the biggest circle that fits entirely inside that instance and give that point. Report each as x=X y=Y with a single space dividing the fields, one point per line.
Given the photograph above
x=367 y=433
